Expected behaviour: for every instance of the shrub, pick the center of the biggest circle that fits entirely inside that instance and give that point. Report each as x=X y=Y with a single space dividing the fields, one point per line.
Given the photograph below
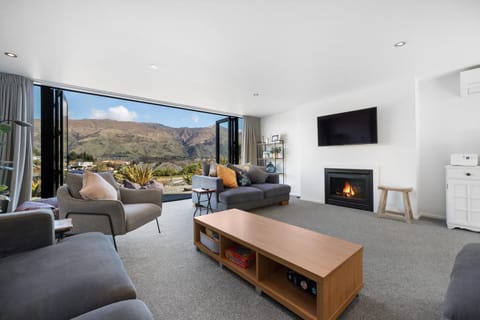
x=36 y=187
x=190 y=170
x=138 y=173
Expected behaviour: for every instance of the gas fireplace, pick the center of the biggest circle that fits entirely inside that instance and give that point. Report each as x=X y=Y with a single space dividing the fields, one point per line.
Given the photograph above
x=351 y=188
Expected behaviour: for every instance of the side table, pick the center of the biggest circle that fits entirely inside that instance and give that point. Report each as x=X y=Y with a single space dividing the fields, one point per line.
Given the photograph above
x=199 y=205
x=61 y=226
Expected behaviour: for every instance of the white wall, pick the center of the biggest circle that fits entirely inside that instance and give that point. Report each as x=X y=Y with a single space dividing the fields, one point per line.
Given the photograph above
x=286 y=125
x=393 y=158
x=447 y=123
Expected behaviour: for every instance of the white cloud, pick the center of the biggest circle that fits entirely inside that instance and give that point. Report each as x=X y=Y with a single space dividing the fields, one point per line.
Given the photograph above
x=195 y=118
x=119 y=113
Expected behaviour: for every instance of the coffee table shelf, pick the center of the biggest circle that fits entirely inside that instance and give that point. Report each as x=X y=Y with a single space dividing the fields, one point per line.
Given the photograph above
x=277 y=286
x=335 y=265
x=249 y=273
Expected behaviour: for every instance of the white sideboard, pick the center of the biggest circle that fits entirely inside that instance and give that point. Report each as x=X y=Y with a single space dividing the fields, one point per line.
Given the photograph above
x=463 y=197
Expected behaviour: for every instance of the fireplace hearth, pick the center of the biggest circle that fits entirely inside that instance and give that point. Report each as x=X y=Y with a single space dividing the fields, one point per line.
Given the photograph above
x=351 y=188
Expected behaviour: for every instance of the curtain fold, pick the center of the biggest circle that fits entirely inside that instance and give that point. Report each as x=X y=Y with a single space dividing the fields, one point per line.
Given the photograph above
x=16 y=103
x=251 y=136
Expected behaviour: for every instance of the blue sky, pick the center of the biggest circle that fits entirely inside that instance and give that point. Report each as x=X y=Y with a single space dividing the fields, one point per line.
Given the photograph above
x=88 y=106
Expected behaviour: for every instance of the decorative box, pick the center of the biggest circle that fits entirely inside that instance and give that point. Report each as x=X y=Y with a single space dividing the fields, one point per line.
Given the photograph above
x=210 y=243
x=241 y=256
x=212 y=234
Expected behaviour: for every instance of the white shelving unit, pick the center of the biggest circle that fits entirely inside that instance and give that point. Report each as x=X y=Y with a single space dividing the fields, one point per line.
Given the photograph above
x=271 y=155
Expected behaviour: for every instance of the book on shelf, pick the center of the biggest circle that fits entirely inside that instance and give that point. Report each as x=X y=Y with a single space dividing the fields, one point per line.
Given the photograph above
x=241 y=256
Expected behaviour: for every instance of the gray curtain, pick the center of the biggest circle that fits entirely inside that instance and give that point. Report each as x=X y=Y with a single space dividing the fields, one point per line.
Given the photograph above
x=251 y=136
x=16 y=103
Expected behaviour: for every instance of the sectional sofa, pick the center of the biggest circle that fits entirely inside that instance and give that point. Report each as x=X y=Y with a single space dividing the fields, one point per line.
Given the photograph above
x=81 y=277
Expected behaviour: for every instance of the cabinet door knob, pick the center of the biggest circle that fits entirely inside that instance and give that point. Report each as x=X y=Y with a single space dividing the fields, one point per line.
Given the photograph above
x=468 y=174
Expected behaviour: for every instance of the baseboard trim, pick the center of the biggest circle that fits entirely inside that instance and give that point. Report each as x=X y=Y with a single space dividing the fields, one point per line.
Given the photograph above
x=431 y=216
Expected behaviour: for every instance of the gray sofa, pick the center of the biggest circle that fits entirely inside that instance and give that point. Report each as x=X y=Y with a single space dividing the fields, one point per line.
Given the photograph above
x=461 y=299
x=244 y=197
x=81 y=276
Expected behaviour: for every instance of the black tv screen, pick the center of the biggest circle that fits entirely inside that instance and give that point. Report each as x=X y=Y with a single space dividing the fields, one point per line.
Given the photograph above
x=354 y=127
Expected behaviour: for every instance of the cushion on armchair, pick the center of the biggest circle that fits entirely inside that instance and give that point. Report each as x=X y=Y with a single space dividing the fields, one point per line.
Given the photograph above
x=75 y=182
x=94 y=187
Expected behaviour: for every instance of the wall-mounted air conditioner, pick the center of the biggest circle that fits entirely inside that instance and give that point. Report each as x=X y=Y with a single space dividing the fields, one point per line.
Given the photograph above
x=469 y=82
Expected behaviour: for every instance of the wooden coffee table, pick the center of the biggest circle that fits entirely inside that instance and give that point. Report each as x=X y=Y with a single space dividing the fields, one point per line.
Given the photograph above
x=335 y=265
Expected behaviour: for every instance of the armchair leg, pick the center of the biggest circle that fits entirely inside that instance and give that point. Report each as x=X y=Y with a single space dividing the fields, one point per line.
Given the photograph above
x=114 y=242
x=100 y=214
x=158 y=226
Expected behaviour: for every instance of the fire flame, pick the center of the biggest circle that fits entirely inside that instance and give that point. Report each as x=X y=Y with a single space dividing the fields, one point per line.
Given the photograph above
x=348 y=190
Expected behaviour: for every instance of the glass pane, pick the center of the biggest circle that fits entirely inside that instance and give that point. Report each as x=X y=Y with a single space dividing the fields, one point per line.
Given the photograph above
x=240 y=139
x=37 y=145
x=65 y=134
x=134 y=139
x=223 y=142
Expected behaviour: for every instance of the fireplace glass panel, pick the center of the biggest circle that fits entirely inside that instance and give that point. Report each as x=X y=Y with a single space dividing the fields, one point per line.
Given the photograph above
x=348 y=188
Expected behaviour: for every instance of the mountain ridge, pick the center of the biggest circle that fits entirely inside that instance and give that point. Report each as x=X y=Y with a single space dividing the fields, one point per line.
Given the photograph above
x=107 y=139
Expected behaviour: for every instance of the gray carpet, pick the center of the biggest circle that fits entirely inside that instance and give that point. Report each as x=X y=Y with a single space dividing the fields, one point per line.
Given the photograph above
x=406 y=267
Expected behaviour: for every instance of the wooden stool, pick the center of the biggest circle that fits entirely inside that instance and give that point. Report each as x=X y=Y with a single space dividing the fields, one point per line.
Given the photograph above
x=407 y=215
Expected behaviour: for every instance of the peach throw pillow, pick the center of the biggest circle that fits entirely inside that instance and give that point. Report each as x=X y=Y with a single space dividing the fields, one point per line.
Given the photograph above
x=228 y=176
x=94 y=187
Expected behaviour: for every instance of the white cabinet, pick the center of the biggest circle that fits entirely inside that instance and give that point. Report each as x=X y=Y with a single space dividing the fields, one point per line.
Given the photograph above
x=463 y=197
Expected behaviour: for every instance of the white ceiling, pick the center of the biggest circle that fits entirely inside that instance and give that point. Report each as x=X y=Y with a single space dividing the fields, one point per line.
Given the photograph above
x=215 y=54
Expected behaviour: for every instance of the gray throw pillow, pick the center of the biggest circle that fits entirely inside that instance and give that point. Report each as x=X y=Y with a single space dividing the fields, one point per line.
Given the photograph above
x=130 y=185
x=74 y=183
x=205 y=167
x=153 y=185
x=257 y=175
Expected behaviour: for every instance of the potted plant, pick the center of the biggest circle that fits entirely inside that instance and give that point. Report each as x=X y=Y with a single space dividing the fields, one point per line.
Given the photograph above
x=276 y=151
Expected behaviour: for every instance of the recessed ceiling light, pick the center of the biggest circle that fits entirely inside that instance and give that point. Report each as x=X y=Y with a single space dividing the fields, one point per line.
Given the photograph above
x=153 y=67
x=11 y=54
x=400 y=44
x=256 y=94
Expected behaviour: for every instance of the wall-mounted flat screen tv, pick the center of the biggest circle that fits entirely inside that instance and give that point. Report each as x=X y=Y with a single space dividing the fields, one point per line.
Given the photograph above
x=354 y=127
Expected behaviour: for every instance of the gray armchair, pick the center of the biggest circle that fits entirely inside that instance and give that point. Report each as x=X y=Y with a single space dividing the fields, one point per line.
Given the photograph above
x=133 y=209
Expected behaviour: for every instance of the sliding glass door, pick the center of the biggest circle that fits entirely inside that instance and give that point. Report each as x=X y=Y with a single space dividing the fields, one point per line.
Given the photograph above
x=227 y=145
x=53 y=126
x=100 y=133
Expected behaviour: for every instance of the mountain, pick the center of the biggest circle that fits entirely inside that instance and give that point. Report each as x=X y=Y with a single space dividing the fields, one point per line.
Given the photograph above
x=148 y=142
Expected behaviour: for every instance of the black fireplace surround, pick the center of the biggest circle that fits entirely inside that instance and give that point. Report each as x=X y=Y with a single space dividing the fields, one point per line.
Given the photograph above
x=351 y=188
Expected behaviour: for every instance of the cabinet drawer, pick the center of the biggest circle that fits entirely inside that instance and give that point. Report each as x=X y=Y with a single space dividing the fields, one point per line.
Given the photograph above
x=465 y=173
x=474 y=218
